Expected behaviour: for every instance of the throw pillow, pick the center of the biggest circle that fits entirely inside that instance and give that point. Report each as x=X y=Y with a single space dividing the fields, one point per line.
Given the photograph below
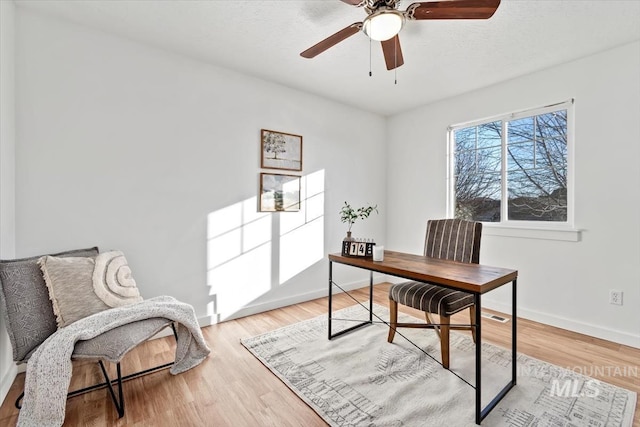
x=24 y=302
x=70 y=284
x=112 y=280
x=79 y=287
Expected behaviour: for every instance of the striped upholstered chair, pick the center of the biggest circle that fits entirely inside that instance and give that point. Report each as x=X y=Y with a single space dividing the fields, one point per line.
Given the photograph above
x=451 y=239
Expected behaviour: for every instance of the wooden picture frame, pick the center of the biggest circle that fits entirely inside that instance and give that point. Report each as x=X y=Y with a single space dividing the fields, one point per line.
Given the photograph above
x=280 y=150
x=279 y=193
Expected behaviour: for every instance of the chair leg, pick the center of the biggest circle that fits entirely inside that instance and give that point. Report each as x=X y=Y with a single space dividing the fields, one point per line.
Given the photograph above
x=18 y=404
x=472 y=315
x=444 y=340
x=393 y=319
x=117 y=402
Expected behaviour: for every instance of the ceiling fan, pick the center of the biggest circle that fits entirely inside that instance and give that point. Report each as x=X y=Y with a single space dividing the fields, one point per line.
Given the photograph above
x=384 y=21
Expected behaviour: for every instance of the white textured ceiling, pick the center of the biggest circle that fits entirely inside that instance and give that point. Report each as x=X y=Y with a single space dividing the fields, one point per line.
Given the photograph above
x=442 y=58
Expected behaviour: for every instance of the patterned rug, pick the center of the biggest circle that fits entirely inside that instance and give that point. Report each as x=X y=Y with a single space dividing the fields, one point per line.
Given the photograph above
x=359 y=379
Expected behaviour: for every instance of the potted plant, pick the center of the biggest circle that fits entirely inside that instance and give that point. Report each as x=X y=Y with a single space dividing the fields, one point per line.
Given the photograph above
x=349 y=215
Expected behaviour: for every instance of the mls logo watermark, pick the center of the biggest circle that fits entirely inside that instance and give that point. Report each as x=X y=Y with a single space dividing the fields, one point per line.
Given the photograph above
x=574 y=388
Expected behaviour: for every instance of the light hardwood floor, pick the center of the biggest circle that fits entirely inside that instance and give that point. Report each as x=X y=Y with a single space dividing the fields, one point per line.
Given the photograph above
x=232 y=388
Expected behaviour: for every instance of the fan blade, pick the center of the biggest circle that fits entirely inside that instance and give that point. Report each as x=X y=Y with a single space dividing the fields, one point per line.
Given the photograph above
x=357 y=3
x=332 y=40
x=453 y=9
x=392 y=53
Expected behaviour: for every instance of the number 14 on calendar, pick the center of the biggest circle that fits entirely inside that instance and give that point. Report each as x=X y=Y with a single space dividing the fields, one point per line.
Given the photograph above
x=355 y=248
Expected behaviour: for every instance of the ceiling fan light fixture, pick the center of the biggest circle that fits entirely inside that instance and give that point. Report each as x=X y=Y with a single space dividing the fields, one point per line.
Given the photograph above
x=383 y=24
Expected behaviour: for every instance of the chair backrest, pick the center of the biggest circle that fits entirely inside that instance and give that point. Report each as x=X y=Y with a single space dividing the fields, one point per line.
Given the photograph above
x=453 y=239
x=25 y=304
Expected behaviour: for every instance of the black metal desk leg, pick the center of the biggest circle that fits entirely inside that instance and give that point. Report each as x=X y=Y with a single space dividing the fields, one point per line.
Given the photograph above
x=330 y=295
x=482 y=413
x=371 y=296
x=330 y=333
x=514 y=357
x=476 y=299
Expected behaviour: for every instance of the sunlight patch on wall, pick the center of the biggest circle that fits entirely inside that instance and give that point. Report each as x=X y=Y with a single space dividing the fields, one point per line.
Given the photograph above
x=302 y=233
x=238 y=257
x=249 y=253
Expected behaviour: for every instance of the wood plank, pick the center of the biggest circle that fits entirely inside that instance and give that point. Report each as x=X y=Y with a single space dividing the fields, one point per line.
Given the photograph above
x=232 y=388
x=463 y=276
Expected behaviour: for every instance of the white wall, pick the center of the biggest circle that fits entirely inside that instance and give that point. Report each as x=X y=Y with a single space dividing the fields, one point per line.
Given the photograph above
x=7 y=172
x=133 y=148
x=561 y=283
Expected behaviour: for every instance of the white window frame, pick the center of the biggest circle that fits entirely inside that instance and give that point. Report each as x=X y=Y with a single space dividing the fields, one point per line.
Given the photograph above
x=554 y=230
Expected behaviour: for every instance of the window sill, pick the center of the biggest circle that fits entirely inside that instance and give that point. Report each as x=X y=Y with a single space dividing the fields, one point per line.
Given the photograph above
x=563 y=234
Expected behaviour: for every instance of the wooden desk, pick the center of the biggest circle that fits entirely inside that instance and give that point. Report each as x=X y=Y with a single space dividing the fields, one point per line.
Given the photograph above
x=472 y=278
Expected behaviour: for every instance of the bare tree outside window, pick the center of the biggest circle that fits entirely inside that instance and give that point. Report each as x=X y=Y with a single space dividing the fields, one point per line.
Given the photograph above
x=478 y=172
x=536 y=169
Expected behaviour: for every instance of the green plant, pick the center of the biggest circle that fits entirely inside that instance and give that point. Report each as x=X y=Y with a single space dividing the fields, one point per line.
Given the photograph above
x=348 y=215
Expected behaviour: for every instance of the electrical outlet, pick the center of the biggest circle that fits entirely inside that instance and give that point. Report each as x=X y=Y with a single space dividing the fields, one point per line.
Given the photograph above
x=615 y=297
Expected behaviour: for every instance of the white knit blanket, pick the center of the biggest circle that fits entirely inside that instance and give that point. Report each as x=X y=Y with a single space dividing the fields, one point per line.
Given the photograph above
x=49 y=368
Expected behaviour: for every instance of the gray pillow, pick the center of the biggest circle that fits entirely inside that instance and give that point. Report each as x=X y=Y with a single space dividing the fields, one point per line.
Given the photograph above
x=24 y=301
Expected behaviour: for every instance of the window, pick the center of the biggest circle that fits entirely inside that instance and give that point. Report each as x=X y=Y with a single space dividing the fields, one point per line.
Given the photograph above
x=513 y=169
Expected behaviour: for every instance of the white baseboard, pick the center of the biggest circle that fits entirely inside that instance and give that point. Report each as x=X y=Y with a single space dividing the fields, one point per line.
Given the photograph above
x=537 y=316
x=295 y=299
x=7 y=381
x=620 y=337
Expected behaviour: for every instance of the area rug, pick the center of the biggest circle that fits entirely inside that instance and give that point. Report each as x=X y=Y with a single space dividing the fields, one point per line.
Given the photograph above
x=359 y=379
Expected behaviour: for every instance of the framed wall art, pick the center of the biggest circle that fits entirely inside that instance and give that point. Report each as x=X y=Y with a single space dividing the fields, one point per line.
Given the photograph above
x=279 y=193
x=280 y=150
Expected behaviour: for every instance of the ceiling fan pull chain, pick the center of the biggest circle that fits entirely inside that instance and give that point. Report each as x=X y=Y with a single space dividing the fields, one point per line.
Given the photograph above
x=395 y=58
x=370 y=74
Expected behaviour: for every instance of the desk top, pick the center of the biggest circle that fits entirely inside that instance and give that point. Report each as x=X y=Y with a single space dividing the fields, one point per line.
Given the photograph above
x=474 y=278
